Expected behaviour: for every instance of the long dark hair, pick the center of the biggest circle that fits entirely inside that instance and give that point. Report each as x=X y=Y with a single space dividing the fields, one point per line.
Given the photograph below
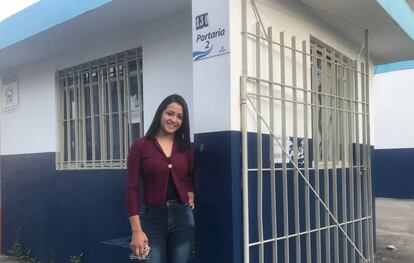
x=183 y=133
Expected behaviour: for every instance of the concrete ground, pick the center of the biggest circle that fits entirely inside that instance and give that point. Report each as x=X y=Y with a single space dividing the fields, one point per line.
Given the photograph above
x=6 y=259
x=395 y=227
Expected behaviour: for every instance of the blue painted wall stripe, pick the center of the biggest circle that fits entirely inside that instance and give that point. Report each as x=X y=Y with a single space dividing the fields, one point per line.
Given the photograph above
x=41 y=16
x=401 y=65
x=401 y=12
x=32 y=190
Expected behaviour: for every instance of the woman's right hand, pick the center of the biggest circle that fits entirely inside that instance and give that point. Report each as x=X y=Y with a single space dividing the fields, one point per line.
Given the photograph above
x=139 y=243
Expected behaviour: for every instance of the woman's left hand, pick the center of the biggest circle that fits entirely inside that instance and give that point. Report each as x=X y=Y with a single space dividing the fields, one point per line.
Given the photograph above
x=191 y=200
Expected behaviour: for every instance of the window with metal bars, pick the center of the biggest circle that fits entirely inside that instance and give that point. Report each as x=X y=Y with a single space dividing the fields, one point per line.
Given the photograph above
x=331 y=86
x=100 y=111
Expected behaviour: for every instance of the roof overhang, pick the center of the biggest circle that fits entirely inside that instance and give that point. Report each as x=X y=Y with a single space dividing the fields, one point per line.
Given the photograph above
x=101 y=18
x=388 y=42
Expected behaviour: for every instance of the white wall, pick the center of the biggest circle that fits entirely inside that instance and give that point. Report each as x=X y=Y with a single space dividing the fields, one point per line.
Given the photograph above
x=31 y=127
x=211 y=76
x=167 y=69
x=168 y=64
x=393 y=98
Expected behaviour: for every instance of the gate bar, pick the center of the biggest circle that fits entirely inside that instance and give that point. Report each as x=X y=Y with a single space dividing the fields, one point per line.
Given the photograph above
x=307 y=182
x=315 y=140
x=243 y=104
x=306 y=151
x=259 y=151
x=370 y=204
x=351 y=84
x=284 y=171
x=335 y=113
x=325 y=149
x=271 y=146
x=295 y=151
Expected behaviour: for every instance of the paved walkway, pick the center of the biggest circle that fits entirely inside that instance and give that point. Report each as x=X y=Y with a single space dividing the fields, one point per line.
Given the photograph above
x=6 y=259
x=395 y=227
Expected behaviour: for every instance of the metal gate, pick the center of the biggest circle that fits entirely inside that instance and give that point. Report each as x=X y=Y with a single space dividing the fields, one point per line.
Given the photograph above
x=307 y=193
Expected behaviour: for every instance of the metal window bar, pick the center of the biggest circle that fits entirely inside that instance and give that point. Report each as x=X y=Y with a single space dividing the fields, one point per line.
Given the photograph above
x=72 y=85
x=82 y=113
x=139 y=92
x=68 y=131
x=60 y=156
x=118 y=91
x=127 y=106
x=108 y=116
x=346 y=110
x=102 y=122
x=76 y=117
x=92 y=103
x=128 y=92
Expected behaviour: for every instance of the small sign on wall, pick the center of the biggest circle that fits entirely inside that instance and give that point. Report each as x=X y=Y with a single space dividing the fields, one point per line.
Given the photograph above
x=210 y=31
x=10 y=94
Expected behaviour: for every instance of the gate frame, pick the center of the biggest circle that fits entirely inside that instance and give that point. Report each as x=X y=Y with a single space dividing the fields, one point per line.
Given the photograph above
x=366 y=168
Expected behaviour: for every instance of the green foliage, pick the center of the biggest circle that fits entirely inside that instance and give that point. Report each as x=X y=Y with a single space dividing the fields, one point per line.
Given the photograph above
x=76 y=259
x=24 y=255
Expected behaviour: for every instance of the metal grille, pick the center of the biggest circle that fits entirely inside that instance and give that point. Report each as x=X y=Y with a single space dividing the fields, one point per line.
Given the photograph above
x=100 y=111
x=306 y=162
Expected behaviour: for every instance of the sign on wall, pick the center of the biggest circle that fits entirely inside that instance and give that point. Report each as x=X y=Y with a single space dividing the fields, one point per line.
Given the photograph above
x=10 y=94
x=210 y=33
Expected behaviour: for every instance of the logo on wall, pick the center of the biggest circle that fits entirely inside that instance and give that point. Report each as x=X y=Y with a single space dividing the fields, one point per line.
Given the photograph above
x=201 y=21
x=209 y=39
x=10 y=94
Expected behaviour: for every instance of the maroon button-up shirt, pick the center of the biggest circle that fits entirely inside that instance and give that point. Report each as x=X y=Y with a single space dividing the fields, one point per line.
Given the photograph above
x=148 y=163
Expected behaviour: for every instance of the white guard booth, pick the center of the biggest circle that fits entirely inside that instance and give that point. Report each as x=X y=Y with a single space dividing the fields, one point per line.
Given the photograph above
x=279 y=94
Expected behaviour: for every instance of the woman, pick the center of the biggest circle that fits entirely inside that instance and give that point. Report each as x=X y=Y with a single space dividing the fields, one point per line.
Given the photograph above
x=159 y=186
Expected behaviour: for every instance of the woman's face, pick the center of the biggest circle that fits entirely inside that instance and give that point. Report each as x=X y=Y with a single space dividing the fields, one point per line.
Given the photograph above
x=171 y=118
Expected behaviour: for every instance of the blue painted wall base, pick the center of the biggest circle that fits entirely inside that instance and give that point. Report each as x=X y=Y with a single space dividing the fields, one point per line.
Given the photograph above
x=62 y=212
x=75 y=211
x=393 y=173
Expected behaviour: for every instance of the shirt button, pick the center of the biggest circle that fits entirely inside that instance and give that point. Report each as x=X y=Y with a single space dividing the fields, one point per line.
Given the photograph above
x=170 y=166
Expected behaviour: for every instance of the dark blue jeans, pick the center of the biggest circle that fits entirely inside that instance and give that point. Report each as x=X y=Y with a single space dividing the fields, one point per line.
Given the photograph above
x=170 y=232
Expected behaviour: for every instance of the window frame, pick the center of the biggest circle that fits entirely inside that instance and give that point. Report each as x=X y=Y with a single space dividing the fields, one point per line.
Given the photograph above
x=337 y=98
x=100 y=111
